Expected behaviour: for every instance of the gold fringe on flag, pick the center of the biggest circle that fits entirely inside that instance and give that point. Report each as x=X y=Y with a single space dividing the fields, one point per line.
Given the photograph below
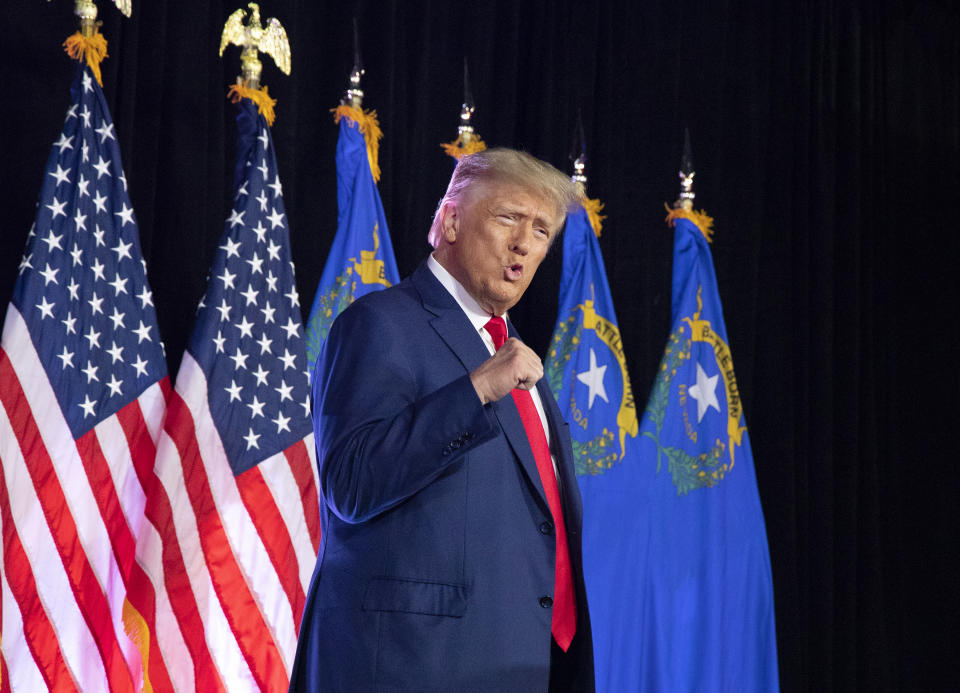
x=699 y=219
x=259 y=96
x=139 y=633
x=593 y=208
x=458 y=148
x=370 y=127
x=93 y=48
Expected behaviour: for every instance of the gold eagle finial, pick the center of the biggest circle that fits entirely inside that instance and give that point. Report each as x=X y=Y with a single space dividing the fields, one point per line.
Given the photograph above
x=253 y=38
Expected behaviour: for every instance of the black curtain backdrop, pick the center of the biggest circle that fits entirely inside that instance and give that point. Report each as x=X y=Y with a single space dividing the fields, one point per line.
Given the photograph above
x=825 y=136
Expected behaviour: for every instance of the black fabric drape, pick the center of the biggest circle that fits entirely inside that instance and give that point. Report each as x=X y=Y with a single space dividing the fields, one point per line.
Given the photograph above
x=826 y=138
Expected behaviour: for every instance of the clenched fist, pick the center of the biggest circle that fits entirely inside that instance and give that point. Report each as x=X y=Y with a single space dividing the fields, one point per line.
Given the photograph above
x=515 y=365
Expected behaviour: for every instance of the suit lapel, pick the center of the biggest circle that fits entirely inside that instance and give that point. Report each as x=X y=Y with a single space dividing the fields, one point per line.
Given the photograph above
x=516 y=434
x=448 y=320
x=453 y=327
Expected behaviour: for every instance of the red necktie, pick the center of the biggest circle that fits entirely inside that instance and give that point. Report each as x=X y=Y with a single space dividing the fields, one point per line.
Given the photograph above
x=564 y=623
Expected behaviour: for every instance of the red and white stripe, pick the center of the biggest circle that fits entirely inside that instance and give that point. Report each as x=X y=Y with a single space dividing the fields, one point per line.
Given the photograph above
x=71 y=512
x=236 y=553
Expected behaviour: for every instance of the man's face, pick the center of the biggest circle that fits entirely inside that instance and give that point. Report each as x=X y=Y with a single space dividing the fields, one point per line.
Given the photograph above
x=499 y=234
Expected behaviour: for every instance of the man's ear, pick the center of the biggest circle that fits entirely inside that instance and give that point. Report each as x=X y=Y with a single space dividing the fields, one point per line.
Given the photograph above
x=450 y=221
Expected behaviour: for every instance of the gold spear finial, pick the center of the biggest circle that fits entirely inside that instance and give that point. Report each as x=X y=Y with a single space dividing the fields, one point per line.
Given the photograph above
x=468 y=140
x=354 y=96
x=465 y=130
x=685 y=201
x=683 y=206
x=578 y=154
x=253 y=38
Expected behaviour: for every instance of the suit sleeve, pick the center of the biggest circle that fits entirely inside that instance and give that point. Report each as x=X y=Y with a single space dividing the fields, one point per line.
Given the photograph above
x=382 y=432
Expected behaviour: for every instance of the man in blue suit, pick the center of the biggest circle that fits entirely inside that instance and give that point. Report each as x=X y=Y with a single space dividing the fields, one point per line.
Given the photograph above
x=450 y=557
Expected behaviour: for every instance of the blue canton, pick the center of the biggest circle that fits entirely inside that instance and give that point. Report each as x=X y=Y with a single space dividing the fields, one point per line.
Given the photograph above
x=82 y=287
x=248 y=338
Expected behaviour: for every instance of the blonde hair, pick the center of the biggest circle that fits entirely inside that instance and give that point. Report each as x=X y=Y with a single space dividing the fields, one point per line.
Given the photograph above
x=501 y=165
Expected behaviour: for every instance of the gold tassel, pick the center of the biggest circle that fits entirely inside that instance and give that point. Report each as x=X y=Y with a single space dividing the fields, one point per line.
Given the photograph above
x=593 y=208
x=370 y=127
x=458 y=148
x=93 y=48
x=259 y=96
x=699 y=219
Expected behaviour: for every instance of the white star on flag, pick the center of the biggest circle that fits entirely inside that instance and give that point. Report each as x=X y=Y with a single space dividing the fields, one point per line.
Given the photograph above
x=593 y=379
x=705 y=392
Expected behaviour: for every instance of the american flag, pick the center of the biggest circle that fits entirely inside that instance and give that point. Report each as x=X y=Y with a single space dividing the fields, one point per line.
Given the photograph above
x=83 y=384
x=238 y=538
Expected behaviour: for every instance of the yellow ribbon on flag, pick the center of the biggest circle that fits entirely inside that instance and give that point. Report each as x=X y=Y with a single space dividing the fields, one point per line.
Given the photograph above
x=93 y=48
x=259 y=96
x=370 y=127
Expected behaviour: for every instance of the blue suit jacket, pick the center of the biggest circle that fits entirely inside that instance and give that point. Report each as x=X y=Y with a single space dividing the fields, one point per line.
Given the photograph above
x=438 y=544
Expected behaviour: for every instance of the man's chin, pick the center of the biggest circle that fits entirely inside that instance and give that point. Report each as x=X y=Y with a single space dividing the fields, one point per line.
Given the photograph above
x=506 y=300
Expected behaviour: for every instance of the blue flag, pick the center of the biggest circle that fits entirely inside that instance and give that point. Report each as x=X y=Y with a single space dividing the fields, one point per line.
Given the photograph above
x=361 y=258
x=247 y=338
x=585 y=365
x=675 y=549
x=706 y=609
x=587 y=372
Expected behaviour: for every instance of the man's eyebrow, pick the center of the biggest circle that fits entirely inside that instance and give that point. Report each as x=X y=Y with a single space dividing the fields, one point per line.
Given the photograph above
x=513 y=208
x=520 y=210
x=540 y=219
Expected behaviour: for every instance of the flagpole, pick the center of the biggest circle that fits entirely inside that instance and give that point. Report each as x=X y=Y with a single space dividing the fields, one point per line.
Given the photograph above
x=685 y=201
x=578 y=155
x=683 y=206
x=354 y=95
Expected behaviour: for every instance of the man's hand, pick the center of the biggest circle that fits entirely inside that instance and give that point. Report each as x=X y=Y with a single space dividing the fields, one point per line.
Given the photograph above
x=515 y=365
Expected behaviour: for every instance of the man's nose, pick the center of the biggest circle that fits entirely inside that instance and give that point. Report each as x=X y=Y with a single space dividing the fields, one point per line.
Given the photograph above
x=521 y=238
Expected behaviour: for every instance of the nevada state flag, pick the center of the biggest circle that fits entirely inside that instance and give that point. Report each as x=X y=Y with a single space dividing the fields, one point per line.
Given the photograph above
x=587 y=372
x=704 y=592
x=361 y=258
x=585 y=365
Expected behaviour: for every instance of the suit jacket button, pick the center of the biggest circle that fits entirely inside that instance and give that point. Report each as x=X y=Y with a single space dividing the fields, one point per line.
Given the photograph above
x=546 y=528
x=546 y=602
